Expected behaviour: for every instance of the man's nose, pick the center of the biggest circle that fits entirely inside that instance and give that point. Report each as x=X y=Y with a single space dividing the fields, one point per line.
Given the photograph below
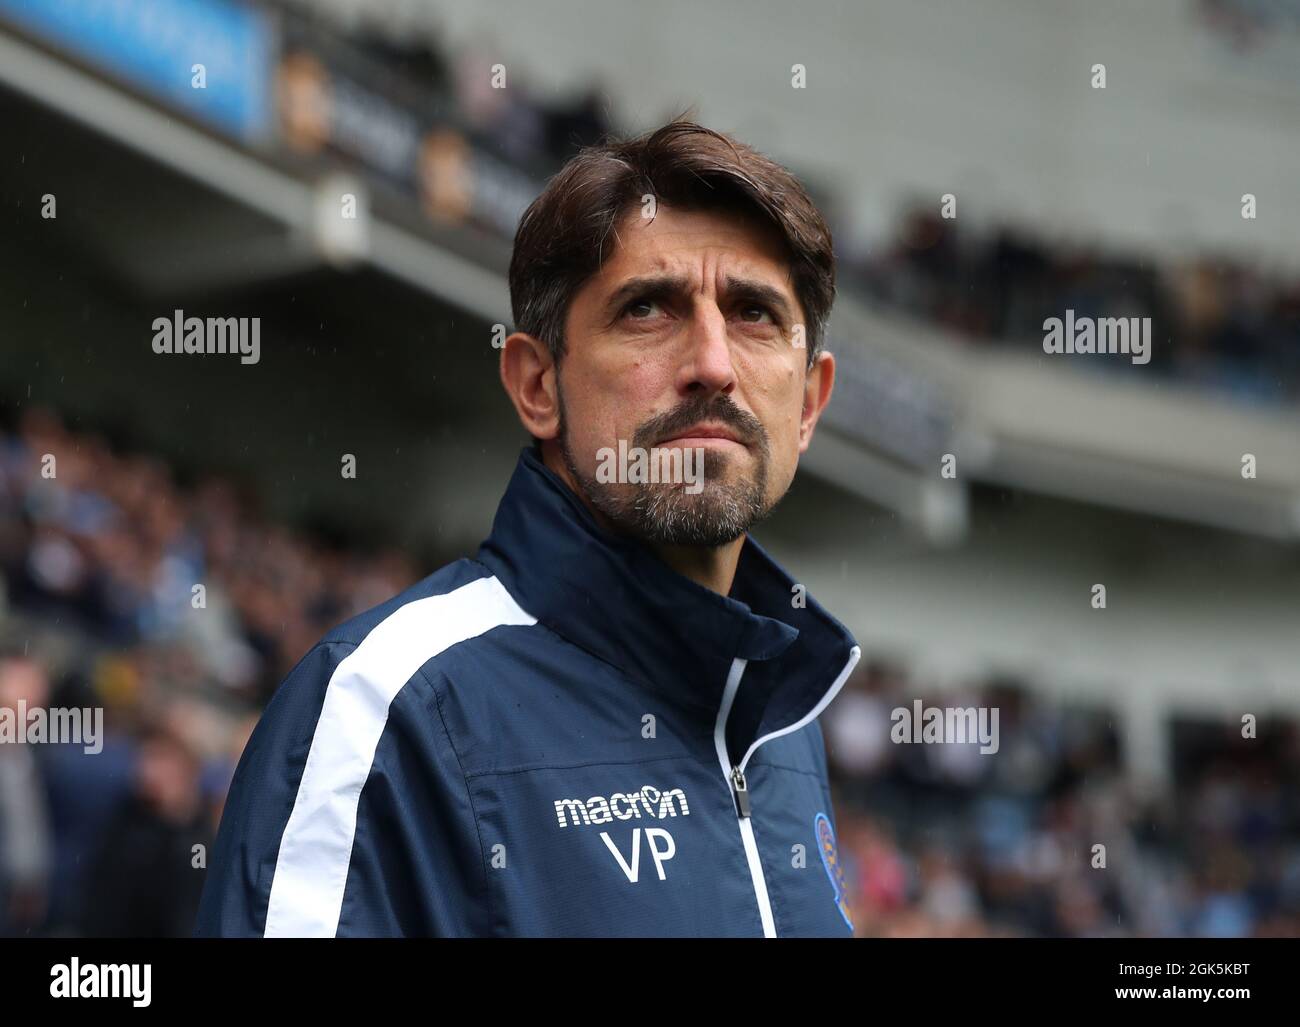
x=708 y=358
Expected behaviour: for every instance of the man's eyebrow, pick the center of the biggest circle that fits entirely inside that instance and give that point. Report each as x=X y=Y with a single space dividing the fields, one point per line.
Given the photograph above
x=654 y=286
x=747 y=289
x=645 y=285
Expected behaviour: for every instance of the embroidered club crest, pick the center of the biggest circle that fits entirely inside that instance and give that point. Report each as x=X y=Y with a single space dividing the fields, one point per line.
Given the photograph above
x=831 y=861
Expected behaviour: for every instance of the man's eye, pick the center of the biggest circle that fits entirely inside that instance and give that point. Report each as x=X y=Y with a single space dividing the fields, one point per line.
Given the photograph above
x=761 y=312
x=636 y=305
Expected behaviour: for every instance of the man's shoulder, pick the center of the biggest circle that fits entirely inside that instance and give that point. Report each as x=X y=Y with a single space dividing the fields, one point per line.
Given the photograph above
x=444 y=589
x=456 y=605
x=370 y=657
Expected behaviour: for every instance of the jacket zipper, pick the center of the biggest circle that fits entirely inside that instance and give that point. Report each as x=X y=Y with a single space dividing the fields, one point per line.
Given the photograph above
x=734 y=773
x=740 y=791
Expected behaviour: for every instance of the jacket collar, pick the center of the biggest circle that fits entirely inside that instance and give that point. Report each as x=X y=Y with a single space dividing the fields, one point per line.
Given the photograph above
x=616 y=599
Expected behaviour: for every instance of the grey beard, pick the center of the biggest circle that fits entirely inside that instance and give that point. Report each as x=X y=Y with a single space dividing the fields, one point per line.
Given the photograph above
x=666 y=514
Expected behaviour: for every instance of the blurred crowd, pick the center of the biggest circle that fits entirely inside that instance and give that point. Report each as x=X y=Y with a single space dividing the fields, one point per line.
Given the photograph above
x=536 y=133
x=1214 y=322
x=940 y=840
x=100 y=552
x=111 y=544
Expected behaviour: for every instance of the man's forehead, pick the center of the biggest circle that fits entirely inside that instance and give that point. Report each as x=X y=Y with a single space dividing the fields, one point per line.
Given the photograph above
x=674 y=241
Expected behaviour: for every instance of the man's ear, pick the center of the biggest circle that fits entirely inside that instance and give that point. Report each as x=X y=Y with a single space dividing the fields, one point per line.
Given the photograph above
x=528 y=374
x=818 y=383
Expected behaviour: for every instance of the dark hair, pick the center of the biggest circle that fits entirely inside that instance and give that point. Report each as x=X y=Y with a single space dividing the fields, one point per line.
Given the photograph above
x=563 y=237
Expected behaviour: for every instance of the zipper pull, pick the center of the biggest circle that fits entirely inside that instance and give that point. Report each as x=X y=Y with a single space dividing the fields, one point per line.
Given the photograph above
x=740 y=791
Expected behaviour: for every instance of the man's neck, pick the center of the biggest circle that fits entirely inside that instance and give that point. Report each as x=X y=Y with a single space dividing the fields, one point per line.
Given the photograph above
x=714 y=567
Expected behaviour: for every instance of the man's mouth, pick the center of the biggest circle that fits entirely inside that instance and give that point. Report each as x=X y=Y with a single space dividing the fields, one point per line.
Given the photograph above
x=710 y=435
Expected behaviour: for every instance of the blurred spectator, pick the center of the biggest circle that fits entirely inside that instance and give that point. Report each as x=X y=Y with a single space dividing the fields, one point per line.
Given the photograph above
x=146 y=879
x=25 y=845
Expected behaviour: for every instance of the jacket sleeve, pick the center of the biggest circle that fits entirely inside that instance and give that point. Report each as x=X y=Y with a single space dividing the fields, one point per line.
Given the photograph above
x=348 y=814
x=818 y=741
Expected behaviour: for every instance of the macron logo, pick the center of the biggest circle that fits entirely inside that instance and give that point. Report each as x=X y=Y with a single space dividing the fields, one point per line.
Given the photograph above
x=649 y=802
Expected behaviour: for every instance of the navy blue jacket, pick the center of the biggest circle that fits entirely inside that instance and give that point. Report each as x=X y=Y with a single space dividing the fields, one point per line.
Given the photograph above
x=560 y=737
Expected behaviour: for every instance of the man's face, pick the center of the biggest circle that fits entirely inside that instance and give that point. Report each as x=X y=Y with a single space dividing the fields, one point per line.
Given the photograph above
x=689 y=327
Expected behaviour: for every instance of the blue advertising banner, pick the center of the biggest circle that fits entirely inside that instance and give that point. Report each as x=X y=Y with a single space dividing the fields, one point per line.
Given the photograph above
x=209 y=58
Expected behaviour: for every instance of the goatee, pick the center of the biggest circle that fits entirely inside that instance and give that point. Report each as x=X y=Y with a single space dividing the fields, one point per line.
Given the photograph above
x=664 y=513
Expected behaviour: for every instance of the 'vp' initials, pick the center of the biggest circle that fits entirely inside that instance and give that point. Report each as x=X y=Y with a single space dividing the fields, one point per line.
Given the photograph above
x=660 y=856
